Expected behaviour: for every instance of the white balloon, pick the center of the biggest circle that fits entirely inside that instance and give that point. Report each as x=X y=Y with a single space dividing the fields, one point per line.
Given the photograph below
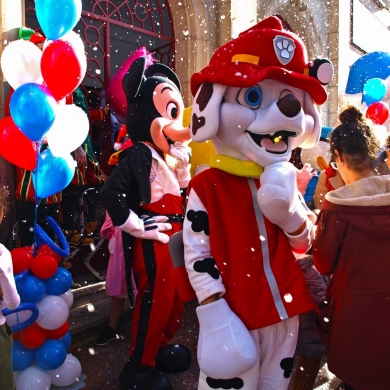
x=53 y=312
x=68 y=297
x=21 y=63
x=67 y=373
x=69 y=130
x=33 y=378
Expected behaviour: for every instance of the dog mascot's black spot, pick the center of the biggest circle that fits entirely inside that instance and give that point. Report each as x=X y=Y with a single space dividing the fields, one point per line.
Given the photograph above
x=200 y=221
x=207 y=265
x=287 y=365
x=234 y=383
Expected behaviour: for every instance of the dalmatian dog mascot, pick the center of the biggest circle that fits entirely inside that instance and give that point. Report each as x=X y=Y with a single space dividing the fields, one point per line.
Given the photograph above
x=144 y=196
x=244 y=218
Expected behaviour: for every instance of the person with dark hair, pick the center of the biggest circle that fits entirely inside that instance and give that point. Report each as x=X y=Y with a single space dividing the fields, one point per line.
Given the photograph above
x=352 y=238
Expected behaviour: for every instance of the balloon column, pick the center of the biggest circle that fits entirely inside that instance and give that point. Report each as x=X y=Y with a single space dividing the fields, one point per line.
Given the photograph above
x=40 y=324
x=368 y=88
x=41 y=80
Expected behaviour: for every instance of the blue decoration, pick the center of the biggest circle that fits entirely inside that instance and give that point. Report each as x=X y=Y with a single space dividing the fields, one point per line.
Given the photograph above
x=33 y=109
x=52 y=174
x=59 y=283
x=42 y=238
x=31 y=289
x=21 y=357
x=23 y=306
x=57 y=17
x=369 y=66
x=374 y=90
x=325 y=133
x=50 y=355
x=66 y=340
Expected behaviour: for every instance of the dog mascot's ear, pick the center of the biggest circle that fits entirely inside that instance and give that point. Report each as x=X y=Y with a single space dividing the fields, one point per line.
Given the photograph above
x=133 y=79
x=205 y=111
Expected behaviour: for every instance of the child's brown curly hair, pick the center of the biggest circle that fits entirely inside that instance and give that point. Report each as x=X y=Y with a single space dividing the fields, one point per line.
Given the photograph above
x=355 y=139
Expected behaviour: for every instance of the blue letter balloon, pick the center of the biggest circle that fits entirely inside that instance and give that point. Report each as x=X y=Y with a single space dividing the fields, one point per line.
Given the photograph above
x=374 y=90
x=57 y=17
x=52 y=174
x=59 y=283
x=21 y=357
x=33 y=109
x=50 y=355
x=31 y=289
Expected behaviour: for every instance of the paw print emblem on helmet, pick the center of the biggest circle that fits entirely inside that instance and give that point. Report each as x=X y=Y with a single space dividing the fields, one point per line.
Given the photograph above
x=284 y=48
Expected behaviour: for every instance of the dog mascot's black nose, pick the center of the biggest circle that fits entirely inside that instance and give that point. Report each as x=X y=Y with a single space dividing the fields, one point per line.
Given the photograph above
x=289 y=106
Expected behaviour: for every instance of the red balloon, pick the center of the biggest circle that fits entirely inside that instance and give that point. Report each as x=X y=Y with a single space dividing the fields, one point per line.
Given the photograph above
x=45 y=249
x=33 y=336
x=15 y=147
x=61 y=69
x=377 y=112
x=44 y=266
x=59 y=332
x=21 y=259
x=15 y=335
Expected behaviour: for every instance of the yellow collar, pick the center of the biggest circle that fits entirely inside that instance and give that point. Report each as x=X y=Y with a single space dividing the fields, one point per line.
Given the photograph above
x=235 y=166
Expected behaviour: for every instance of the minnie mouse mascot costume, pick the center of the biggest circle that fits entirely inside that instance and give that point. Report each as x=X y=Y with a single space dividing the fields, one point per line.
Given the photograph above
x=144 y=197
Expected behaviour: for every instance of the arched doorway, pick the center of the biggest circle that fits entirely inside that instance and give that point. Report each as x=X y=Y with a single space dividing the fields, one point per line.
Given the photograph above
x=111 y=30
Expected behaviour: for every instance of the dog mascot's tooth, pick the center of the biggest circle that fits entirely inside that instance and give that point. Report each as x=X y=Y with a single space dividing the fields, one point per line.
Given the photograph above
x=256 y=102
x=145 y=198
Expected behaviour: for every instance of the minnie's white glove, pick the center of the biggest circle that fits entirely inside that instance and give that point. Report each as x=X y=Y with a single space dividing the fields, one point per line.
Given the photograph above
x=278 y=197
x=226 y=349
x=182 y=153
x=153 y=226
x=148 y=228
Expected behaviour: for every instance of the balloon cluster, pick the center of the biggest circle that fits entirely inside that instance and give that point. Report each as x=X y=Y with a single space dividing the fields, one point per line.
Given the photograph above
x=42 y=80
x=41 y=339
x=368 y=88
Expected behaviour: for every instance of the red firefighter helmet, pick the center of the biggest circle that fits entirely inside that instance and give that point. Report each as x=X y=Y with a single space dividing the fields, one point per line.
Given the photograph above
x=266 y=51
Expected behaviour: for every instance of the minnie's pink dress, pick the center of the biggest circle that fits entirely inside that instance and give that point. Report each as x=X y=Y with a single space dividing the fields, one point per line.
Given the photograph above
x=116 y=276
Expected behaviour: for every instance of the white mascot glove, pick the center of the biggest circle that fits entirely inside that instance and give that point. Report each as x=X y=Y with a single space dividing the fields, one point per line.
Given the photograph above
x=226 y=349
x=154 y=226
x=278 y=197
x=182 y=153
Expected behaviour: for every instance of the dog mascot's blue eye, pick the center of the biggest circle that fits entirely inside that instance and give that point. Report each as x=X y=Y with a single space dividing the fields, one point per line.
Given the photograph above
x=250 y=97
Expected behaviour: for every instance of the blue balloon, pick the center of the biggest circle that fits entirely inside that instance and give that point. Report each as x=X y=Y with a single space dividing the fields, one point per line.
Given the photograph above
x=59 y=283
x=374 y=90
x=66 y=340
x=42 y=238
x=371 y=65
x=52 y=174
x=51 y=354
x=33 y=109
x=21 y=357
x=31 y=289
x=57 y=17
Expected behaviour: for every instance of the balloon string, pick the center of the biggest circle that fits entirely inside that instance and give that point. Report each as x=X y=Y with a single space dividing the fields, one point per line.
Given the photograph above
x=37 y=200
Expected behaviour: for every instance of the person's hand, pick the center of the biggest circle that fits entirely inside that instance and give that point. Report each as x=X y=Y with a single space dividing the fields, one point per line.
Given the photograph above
x=81 y=156
x=182 y=153
x=304 y=176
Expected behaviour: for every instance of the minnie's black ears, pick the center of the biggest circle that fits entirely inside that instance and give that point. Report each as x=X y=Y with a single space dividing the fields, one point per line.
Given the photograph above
x=133 y=79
